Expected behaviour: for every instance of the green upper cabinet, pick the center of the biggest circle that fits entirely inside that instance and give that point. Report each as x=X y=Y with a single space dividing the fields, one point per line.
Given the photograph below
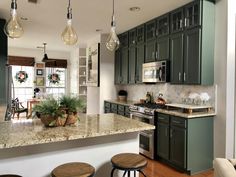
x=140 y=34
x=139 y=62
x=198 y=34
x=176 y=53
x=192 y=65
x=132 y=64
x=3 y=62
x=150 y=51
x=124 y=39
x=162 y=25
x=117 y=67
x=150 y=30
x=192 y=15
x=124 y=65
x=132 y=37
x=162 y=47
x=177 y=20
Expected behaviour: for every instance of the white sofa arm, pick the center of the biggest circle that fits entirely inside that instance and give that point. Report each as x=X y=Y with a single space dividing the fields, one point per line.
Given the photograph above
x=223 y=168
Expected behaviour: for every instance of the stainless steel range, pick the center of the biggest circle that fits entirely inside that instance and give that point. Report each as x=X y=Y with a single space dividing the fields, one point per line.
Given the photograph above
x=145 y=113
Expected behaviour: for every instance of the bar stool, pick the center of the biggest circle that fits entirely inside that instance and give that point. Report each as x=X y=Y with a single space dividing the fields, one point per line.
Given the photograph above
x=75 y=169
x=10 y=175
x=128 y=162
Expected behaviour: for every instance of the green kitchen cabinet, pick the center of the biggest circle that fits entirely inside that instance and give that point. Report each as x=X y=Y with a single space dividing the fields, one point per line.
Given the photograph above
x=177 y=20
x=132 y=37
x=192 y=15
x=150 y=51
x=150 y=30
x=162 y=46
x=192 y=60
x=117 y=67
x=177 y=57
x=124 y=40
x=139 y=62
x=178 y=146
x=140 y=34
x=124 y=65
x=132 y=65
x=197 y=55
x=162 y=25
x=185 y=143
x=120 y=109
x=3 y=62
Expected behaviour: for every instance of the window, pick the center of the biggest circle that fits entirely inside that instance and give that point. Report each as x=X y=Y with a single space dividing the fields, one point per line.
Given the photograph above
x=56 y=89
x=23 y=90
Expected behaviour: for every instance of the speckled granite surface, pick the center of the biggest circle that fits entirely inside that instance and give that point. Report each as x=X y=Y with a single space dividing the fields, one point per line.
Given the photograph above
x=2 y=112
x=186 y=115
x=34 y=132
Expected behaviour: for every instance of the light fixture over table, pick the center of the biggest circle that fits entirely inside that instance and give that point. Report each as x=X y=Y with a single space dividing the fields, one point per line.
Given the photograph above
x=69 y=36
x=13 y=28
x=113 y=42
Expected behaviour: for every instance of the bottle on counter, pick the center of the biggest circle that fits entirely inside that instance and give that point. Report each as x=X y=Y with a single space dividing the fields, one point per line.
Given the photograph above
x=148 y=97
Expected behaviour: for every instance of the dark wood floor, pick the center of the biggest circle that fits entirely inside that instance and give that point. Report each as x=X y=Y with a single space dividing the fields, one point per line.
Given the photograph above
x=157 y=169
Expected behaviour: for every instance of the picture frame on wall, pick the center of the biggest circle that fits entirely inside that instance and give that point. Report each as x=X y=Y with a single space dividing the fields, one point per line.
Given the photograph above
x=39 y=81
x=39 y=65
x=39 y=72
x=93 y=65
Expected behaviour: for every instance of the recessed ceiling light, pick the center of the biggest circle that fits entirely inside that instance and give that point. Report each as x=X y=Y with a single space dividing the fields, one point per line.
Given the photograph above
x=98 y=30
x=134 y=9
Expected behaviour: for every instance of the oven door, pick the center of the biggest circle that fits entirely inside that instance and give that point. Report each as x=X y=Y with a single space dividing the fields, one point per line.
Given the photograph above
x=146 y=143
x=142 y=117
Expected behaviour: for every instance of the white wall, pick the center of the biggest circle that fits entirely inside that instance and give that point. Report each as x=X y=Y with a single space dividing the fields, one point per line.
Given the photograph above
x=73 y=70
x=107 y=90
x=224 y=124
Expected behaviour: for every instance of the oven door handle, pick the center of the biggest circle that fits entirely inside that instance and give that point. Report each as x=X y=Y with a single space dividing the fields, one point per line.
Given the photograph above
x=140 y=115
x=146 y=134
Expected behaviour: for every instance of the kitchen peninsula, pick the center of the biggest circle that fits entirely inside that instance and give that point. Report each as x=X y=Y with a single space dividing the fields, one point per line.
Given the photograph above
x=30 y=149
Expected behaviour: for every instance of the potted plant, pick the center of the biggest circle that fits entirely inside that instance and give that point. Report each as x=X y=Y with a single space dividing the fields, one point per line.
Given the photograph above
x=122 y=95
x=50 y=113
x=71 y=105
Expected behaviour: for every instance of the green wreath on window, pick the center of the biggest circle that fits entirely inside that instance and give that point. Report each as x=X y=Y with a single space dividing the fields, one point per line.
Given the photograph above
x=54 y=78
x=21 y=76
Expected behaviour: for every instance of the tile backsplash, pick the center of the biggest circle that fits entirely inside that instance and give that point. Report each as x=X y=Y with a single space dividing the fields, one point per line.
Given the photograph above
x=172 y=93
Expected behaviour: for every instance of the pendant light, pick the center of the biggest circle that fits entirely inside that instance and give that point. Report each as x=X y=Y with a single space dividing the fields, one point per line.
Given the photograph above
x=69 y=36
x=113 y=42
x=13 y=28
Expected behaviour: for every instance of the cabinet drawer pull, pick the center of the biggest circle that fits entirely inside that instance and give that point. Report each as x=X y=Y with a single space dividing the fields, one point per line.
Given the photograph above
x=184 y=76
x=161 y=118
x=185 y=22
x=171 y=133
x=156 y=55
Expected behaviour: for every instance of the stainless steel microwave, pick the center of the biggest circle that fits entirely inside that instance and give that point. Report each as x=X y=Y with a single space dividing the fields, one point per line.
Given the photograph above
x=156 y=72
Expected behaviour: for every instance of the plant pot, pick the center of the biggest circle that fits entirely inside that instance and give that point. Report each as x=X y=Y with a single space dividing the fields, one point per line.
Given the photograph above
x=122 y=98
x=50 y=121
x=71 y=119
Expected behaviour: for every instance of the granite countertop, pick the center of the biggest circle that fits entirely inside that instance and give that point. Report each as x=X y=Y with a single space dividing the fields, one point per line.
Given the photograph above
x=34 y=132
x=2 y=112
x=176 y=112
x=126 y=103
x=186 y=115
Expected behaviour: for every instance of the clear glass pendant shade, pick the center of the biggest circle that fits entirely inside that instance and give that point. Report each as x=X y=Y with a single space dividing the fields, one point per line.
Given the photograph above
x=69 y=36
x=112 y=42
x=13 y=28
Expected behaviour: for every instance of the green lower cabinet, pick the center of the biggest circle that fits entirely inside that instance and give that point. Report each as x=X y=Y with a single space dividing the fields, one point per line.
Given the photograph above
x=185 y=143
x=178 y=146
x=119 y=109
x=163 y=141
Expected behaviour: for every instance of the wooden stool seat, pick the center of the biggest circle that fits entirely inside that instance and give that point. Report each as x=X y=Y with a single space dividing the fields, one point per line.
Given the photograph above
x=128 y=162
x=10 y=175
x=74 y=169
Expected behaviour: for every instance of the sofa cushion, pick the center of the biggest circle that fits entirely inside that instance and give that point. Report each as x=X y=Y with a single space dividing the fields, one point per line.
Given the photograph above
x=223 y=168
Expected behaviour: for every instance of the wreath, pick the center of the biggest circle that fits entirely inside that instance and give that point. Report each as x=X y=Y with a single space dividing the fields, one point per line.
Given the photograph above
x=54 y=78
x=21 y=76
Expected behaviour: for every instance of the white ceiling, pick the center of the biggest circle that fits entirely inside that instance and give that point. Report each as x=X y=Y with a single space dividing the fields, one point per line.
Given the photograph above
x=47 y=18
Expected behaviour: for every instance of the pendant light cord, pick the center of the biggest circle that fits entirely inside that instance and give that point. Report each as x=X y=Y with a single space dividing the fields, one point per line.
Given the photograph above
x=113 y=14
x=69 y=11
x=113 y=7
x=13 y=4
